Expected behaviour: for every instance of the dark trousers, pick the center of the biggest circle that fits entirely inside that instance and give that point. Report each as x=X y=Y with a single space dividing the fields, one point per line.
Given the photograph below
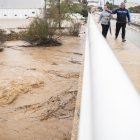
x=118 y=27
x=105 y=29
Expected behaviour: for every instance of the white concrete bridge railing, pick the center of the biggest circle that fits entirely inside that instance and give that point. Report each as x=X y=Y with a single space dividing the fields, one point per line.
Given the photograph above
x=110 y=106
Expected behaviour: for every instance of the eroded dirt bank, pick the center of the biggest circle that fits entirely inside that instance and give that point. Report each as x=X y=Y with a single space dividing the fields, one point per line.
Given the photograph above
x=38 y=88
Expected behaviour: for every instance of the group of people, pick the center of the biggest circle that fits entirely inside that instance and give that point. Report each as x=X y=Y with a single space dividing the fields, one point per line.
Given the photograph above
x=123 y=17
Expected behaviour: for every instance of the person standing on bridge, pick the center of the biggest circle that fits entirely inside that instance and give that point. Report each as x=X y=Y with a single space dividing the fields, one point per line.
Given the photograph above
x=105 y=18
x=122 y=16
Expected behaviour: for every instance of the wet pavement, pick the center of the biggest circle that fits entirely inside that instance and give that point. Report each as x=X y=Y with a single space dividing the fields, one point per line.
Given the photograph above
x=128 y=53
x=132 y=33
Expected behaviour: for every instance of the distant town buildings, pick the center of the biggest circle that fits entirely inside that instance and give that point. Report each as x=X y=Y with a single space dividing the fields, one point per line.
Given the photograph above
x=101 y=3
x=131 y=4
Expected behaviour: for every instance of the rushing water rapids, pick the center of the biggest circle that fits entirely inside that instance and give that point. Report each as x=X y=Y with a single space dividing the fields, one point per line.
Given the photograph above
x=38 y=88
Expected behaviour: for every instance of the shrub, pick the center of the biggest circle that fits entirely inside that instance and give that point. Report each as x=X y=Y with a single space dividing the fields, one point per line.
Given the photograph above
x=2 y=39
x=2 y=36
x=75 y=29
x=12 y=36
x=84 y=12
x=41 y=32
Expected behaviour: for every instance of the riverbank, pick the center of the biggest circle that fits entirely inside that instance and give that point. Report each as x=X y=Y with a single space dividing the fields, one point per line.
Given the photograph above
x=38 y=90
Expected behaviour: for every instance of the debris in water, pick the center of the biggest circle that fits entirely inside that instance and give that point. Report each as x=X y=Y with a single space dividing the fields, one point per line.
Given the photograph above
x=1 y=49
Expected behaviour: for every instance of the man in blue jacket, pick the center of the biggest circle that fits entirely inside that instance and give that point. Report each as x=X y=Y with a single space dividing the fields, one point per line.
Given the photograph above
x=122 y=16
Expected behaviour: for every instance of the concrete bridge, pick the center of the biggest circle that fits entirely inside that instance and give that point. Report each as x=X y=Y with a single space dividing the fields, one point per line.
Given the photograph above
x=108 y=104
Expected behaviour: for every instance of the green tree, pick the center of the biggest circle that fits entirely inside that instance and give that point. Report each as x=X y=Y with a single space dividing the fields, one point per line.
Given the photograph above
x=111 y=6
x=63 y=11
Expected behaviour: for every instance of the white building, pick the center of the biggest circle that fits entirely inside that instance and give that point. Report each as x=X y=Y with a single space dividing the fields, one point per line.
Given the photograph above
x=19 y=13
x=20 y=8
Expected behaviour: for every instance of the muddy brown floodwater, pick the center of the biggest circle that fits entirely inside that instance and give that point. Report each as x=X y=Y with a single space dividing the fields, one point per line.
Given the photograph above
x=38 y=88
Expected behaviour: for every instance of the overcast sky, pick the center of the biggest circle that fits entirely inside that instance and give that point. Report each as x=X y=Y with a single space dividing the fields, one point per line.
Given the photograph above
x=35 y=3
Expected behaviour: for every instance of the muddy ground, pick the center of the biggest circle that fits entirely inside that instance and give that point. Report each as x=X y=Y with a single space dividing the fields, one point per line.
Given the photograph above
x=38 y=89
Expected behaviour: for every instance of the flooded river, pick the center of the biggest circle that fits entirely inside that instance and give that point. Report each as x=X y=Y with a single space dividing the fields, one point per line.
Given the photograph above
x=38 y=89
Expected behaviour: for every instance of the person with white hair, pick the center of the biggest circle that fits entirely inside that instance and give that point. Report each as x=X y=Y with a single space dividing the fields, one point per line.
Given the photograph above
x=123 y=16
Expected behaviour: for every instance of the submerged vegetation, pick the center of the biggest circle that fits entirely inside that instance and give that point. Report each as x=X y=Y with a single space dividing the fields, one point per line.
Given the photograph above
x=46 y=30
x=2 y=39
x=2 y=36
x=41 y=32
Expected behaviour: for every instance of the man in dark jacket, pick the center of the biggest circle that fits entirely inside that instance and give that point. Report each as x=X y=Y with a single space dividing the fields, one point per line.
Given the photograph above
x=122 y=16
